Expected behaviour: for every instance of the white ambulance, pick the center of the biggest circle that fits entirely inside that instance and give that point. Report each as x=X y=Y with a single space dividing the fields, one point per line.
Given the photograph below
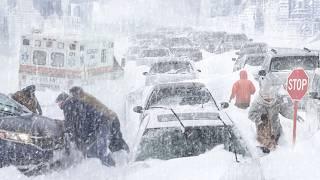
x=59 y=63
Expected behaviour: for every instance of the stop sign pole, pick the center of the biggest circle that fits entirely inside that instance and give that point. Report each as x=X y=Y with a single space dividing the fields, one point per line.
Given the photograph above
x=297 y=87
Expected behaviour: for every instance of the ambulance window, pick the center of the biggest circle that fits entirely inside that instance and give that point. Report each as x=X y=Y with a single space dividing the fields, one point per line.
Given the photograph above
x=39 y=57
x=37 y=43
x=60 y=45
x=49 y=44
x=72 y=47
x=104 y=56
x=26 y=42
x=57 y=59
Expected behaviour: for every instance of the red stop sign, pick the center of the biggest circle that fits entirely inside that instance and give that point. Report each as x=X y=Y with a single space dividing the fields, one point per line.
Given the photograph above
x=297 y=84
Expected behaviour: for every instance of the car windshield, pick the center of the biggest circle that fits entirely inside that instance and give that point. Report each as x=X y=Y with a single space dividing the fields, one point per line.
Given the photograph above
x=180 y=95
x=169 y=143
x=255 y=60
x=292 y=62
x=155 y=53
x=171 y=67
x=9 y=107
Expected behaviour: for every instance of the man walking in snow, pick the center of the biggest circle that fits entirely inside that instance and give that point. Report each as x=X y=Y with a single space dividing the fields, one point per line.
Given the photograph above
x=265 y=111
x=242 y=91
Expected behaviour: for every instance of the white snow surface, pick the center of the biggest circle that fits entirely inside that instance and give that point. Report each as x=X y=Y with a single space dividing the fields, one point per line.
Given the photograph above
x=286 y=162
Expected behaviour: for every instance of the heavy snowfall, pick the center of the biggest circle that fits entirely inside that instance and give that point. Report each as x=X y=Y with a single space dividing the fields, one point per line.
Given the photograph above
x=159 y=89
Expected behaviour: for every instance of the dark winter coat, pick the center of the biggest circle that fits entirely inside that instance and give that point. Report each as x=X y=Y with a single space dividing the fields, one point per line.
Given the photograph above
x=81 y=122
x=109 y=117
x=266 y=117
x=29 y=100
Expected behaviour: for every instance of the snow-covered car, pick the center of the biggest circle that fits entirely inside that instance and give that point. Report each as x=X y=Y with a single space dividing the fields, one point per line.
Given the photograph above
x=177 y=42
x=152 y=55
x=207 y=40
x=253 y=48
x=28 y=141
x=170 y=71
x=281 y=61
x=251 y=62
x=192 y=53
x=231 y=42
x=145 y=36
x=182 y=119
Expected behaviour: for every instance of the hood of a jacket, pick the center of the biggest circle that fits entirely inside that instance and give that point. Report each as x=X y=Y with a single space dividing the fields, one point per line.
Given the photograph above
x=243 y=74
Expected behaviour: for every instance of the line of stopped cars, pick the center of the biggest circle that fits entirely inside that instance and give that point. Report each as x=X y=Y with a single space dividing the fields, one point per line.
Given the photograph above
x=178 y=116
x=272 y=65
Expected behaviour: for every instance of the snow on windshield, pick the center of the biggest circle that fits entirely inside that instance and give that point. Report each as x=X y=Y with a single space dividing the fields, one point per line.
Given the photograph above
x=292 y=62
x=180 y=95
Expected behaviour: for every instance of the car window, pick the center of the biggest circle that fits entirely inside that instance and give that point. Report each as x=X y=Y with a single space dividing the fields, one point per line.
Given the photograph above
x=180 y=95
x=292 y=62
x=171 y=67
x=155 y=53
x=169 y=143
x=57 y=59
x=39 y=57
x=255 y=60
x=9 y=107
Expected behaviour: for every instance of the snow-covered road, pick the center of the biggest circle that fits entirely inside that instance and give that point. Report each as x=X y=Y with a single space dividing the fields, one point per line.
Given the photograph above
x=286 y=162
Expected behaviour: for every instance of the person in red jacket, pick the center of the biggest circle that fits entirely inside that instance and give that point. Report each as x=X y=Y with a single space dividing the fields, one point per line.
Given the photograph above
x=242 y=91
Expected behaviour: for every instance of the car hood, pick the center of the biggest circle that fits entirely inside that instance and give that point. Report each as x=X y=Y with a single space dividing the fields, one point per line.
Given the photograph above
x=32 y=124
x=189 y=115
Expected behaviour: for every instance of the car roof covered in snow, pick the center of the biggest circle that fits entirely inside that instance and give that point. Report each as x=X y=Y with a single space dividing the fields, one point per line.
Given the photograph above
x=281 y=52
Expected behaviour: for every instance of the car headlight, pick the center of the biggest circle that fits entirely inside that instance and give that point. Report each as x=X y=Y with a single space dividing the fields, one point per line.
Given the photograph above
x=13 y=136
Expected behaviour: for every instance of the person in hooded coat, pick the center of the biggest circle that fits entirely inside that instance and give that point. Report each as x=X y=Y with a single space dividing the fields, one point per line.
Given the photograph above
x=84 y=126
x=264 y=112
x=28 y=98
x=117 y=142
x=242 y=91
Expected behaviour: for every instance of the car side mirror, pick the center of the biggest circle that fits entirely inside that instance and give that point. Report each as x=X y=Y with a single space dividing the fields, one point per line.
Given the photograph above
x=234 y=59
x=224 y=105
x=138 y=109
x=262 y=73
x=313 y=95
x=198 y=70
x=145 y=73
